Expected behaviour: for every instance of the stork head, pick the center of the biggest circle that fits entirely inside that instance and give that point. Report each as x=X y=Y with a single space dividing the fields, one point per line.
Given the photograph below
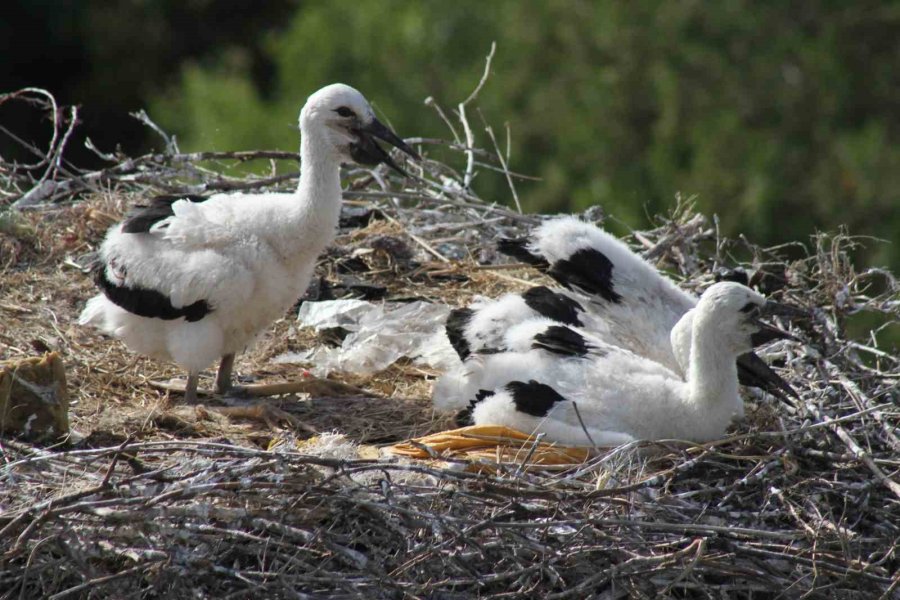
x=345 y=121
x=732 y=311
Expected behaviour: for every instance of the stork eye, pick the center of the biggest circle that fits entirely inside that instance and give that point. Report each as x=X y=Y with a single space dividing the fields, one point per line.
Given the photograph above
x=343 y=111
x=750 y=307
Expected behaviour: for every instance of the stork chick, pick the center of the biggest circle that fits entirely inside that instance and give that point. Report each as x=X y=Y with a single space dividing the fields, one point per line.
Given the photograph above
x=623 y=298
x=582 y=392
x=193 y=280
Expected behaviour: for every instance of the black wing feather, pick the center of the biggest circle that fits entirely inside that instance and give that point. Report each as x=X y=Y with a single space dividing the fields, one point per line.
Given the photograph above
x=587 y=270
x=464 y=417
x=144 y=216
x=553 y=305
x=455 y=326
x=533 y=398
x=145 y=302
x=563 y=341
x=518 y=248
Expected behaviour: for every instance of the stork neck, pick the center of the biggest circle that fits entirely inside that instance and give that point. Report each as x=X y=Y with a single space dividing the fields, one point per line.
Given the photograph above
x=712 y=374
x=319 y=171
x=681 y=339
x=304 y=223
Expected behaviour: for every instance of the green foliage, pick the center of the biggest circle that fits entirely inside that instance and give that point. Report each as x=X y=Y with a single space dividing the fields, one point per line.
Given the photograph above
x=219 y=108
x=780 y=117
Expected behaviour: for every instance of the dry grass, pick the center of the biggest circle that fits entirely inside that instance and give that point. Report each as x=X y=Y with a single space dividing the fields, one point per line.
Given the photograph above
x=44 y=290
x=162 y=500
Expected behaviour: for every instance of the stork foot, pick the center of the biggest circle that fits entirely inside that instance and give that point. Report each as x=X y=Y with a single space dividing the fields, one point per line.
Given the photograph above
x=272 y=416
x=233 y=391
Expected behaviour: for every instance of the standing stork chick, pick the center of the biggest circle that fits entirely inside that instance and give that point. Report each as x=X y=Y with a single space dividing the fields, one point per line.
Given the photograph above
x=621 y=396
x=193 y=280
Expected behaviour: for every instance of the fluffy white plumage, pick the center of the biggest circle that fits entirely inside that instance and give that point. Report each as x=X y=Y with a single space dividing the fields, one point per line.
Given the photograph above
x=620 y=342
x=613 y=294
x=620 y=395
x=616 y=295
x=193 y=280
x=651 y=304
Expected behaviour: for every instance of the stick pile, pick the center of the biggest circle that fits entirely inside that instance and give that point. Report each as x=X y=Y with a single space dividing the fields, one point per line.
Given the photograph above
x=802 y=500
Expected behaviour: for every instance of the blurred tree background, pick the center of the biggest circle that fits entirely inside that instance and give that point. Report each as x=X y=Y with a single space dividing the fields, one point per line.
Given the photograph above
x=782 y=118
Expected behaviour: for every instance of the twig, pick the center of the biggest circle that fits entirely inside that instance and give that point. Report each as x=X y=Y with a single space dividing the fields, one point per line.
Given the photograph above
x=583 y=427
x=509 y=181
x=98 y=581
x=461 y=112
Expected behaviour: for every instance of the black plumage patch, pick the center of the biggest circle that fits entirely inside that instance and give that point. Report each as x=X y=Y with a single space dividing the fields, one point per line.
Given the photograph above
x=144 y=216
x=533 y=398
x=588 y=270
x=145 y=302
x=562 y=340
x=737 y=275
x=487 y=350
x=518 y=248
x=552 y=305
x=455 y=328
x=464 y=417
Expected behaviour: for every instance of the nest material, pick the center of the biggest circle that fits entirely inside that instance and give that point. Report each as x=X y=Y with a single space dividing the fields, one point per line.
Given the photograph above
x=34 y=399
x=802 y=499
x=484 y=446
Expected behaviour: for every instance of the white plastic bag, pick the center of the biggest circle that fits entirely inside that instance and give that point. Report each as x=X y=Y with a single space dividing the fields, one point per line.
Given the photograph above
x=380 y=333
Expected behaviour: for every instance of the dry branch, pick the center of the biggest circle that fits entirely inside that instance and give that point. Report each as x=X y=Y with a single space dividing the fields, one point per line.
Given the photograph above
x=801 y=501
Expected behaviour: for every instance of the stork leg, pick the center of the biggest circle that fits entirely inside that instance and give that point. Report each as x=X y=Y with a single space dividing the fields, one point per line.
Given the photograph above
x=190 y=388
x=260 y=411
x=223 y=377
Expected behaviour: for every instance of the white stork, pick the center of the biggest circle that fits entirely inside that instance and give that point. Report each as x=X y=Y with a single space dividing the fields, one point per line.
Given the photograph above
x=582 y=391
x=610 y=292
x=193 y=280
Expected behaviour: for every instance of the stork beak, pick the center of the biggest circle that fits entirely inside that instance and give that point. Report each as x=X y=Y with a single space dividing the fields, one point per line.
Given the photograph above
x=752 y=370
x=368 y=152
x=772 y=308
x=768 y=333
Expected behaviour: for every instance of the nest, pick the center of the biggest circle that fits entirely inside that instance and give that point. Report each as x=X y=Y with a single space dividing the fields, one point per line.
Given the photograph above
x=159 y=500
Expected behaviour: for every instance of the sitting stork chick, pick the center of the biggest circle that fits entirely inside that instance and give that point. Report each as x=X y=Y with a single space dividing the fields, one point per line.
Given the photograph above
x=580 y=393
x=623 y=298
x=192 y=279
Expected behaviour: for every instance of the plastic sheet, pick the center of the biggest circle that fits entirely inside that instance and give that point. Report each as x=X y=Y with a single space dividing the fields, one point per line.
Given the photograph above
x=380 y=333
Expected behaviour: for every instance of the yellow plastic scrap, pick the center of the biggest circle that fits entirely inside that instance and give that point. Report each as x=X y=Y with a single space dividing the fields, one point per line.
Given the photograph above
x=492 y=443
